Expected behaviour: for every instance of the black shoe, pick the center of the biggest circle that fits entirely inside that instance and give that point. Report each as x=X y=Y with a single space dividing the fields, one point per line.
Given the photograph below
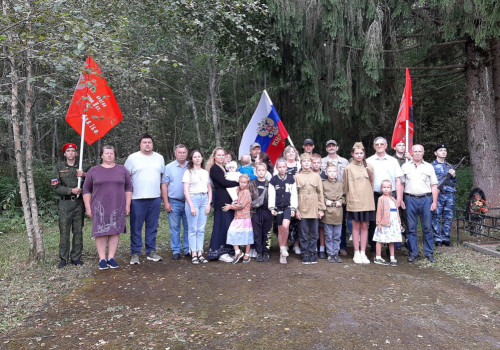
x=265 y=256
x=259 y=257
x=77 y=262
x=176 y=256
x=322 y=255
x=430 y=258
x=62 y=264
x=412 y=258
x=447 y=243
x=439 y=244
x=187 y=255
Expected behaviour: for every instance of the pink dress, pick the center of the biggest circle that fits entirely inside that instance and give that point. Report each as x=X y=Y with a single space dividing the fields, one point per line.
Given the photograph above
x=240 y=231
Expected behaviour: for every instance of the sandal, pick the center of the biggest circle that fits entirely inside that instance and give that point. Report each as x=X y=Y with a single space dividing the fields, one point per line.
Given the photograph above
x=246 y=258
x=202 y=259
x=195 y=260
x=237 y=257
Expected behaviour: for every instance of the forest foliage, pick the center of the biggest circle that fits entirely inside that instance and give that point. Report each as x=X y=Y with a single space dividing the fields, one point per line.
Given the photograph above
x=192 y=71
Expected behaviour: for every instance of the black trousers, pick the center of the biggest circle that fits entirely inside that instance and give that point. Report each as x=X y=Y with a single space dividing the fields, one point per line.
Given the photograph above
x=262 y=221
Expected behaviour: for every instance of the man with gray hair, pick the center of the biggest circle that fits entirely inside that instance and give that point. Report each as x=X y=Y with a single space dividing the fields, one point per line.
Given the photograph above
x=419 y=184
x=385 y=167
x=172 y=191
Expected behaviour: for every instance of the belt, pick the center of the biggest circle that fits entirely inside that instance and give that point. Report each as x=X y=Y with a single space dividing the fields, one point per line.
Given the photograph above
x=72 y=197
x=418 y=195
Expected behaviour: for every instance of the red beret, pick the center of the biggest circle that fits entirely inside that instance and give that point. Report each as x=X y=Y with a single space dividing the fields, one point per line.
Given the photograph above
x=68 y=145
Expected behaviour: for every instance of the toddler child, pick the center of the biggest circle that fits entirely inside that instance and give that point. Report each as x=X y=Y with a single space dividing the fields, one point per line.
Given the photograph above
x=240 y=231
x=388 y=224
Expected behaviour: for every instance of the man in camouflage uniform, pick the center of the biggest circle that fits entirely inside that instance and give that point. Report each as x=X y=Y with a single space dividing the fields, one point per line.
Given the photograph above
x=71 y=208
x=446 y=198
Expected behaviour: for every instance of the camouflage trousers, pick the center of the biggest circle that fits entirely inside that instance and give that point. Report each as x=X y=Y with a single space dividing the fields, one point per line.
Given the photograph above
x=71 y=219
x=442 y=217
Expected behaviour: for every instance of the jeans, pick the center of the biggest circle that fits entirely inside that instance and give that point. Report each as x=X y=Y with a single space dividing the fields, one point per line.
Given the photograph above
x=416 y=207
x=196 y=224
x=175 y=217
x=144 y=211
x=308 y=236
x=332 y=238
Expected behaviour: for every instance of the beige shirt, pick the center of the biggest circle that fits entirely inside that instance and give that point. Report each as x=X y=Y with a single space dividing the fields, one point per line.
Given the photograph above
x=310 y=194
x=418 y=179
x=357 y=188
x=333 y=191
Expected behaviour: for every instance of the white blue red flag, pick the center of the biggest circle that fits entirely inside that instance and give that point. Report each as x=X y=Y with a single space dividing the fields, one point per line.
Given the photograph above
x=266 y=129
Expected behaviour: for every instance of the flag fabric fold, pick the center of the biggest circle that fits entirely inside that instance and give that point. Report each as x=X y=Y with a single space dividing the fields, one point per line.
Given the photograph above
x=405 y=114
x=94 y=99
x=266 y=129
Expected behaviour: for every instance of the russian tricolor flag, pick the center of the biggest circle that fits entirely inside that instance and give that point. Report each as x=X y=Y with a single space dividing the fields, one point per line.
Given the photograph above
x=266 y=129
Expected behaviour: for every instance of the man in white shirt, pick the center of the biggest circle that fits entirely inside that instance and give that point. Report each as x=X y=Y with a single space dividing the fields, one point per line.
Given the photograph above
x=146 y=168
x=385 y=167
x=419 y=185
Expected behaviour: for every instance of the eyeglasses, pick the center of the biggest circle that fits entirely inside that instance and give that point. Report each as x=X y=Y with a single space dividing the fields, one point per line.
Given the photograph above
x=379 y=144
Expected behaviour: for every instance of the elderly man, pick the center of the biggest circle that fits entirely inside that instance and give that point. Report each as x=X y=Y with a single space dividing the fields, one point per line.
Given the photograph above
x=172 y=191
x=146 y=168
x=333 y=158
x=385 y=167
x=419 y=185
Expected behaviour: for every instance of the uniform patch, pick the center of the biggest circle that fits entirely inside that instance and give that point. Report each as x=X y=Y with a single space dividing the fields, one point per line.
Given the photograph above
x=55 y=182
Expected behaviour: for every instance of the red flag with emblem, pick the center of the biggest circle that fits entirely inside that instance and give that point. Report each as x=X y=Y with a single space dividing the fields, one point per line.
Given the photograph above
x=93 y=99
x=403 y=130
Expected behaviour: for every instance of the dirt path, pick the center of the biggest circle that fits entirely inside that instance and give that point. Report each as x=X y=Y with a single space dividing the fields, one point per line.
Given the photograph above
x=176 y=305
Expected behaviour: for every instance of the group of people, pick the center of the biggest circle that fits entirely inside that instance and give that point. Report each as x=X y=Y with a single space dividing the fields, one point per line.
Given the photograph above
x=308 y=200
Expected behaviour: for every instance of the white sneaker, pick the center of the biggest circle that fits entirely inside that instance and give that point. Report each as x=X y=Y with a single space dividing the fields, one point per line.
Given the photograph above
x=284 y=251
x=226 y=258
x=357 y=257
x=364 y=258
x=296 y=249
x=252 y=253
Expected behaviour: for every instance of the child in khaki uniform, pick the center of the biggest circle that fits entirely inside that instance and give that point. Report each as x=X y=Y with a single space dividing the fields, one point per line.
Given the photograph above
x=333 y=194
x=311 y=208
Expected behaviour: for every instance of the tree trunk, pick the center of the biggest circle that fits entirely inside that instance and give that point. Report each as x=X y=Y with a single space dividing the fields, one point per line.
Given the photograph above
x=495 y=63
x=212 y=83
x=39 y=251
x=16 y=131
x=195 y=114
x=483 y=142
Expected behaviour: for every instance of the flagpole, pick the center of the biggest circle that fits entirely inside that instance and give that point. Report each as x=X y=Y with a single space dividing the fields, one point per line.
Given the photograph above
x=290 y=140
x=82 y=143
x=407 y=140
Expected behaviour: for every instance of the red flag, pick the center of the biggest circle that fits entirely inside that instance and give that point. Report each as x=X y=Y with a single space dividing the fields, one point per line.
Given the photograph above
x=405 y=113
x=93 y=98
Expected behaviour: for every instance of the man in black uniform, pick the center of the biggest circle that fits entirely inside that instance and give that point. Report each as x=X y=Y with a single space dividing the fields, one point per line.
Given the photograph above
x=71 y=208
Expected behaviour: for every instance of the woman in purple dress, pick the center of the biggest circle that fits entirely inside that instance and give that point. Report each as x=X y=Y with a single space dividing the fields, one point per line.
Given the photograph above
x=107 y=193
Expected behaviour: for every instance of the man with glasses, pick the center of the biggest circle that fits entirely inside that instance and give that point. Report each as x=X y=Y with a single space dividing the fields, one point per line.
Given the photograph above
x=385 y=167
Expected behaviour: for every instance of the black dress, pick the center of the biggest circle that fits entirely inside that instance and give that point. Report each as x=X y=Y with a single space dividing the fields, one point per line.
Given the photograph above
x=222 y=220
